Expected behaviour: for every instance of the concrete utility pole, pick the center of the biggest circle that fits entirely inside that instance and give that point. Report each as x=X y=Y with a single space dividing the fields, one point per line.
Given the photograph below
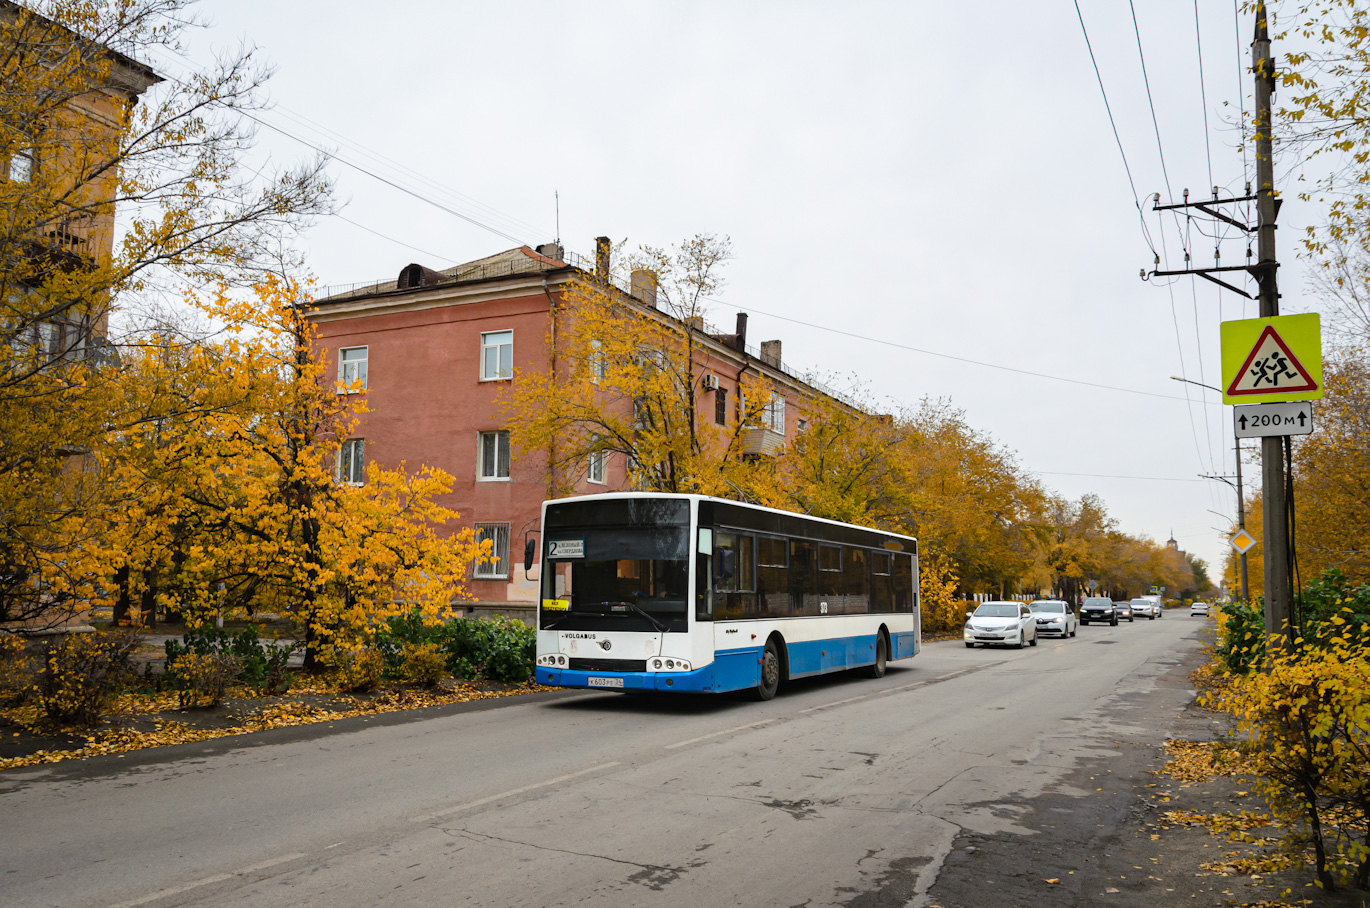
x=1274 y=509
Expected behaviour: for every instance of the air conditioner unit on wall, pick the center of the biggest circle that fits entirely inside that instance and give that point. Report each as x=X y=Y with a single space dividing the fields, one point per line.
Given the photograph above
x=710 y=382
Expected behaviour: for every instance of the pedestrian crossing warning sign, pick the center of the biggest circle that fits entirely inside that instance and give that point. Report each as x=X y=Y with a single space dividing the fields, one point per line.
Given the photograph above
x=1272 y=359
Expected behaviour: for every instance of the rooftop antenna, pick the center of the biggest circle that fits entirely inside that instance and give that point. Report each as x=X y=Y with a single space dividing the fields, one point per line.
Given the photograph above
x=557 y=195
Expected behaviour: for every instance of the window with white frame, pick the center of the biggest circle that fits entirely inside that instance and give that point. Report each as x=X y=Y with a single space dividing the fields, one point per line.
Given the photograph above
x=598 y=366
x=21 y=166
x=352 y=369
x=493 y=457
x=496 y=355
x=494 y=566
x=597 y=458
x=773 y=417
x=352 y=461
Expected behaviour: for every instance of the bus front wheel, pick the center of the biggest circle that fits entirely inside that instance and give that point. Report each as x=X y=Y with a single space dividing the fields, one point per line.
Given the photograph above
x=769 y=682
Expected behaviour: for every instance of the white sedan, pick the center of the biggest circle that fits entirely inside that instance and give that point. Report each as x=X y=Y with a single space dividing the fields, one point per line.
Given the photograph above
x=1001 y=624
x=1054 y=617
x=1198 y=608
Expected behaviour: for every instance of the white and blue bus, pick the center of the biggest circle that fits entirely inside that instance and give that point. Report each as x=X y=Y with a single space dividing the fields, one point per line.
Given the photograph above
x=686 y=593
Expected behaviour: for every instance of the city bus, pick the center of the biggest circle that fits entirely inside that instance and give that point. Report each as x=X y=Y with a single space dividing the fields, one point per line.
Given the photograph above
x=643 y=591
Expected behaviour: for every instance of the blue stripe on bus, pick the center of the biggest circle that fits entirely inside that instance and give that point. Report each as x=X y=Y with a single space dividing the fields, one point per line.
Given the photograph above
x=739 y=669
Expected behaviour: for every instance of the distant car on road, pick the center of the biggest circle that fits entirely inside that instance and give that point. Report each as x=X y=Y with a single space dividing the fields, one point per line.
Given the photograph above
x=1054 y=617
x=1098 y=609
x=1199 y=608
x=1124 y=610
x=1002 y=624
x=1146 y=606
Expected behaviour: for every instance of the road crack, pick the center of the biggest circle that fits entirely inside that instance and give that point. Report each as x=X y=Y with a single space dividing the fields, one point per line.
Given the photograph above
x=653 y=876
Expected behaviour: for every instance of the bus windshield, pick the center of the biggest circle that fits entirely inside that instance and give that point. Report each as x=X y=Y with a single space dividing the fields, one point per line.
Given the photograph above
x=615 y=578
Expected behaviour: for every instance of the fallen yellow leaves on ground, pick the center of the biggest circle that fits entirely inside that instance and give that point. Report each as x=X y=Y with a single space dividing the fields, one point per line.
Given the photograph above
x=1217 y=822
x=1199 y=761
x=1232 y=864
x=277 y=715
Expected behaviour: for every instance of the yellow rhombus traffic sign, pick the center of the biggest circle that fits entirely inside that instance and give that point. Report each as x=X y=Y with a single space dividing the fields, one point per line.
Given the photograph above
x=1272 y=359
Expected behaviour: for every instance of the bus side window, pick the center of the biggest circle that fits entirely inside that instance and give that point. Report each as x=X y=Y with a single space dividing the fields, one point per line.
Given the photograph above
x=855 y=583
x=882 y=583
x=903 y=583
x=772 y=580
x=734 y=595
x=803 y=578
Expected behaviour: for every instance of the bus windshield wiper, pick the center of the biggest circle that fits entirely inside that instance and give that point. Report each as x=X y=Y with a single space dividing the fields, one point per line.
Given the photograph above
x=644 y=613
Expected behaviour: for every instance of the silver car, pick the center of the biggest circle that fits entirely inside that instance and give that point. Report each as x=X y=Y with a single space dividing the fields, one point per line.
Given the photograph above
x=1054 y=617
x=1000 y=624
x=1147 y=606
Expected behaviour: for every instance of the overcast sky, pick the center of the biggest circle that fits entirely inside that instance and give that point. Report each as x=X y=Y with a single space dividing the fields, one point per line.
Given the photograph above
x=941 y=176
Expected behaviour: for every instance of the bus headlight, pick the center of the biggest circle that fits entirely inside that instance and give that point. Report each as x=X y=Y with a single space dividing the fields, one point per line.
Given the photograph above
x=668 y=665
x=553 y=660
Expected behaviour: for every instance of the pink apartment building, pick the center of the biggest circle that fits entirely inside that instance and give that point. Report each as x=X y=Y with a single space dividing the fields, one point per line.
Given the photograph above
x=435 y=349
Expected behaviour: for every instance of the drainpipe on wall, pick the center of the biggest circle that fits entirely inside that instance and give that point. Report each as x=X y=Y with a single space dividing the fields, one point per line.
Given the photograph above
x=552 y=353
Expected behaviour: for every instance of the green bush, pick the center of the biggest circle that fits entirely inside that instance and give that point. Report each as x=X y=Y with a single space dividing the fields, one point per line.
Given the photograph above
x=1241 y=640
x=259 y=666
x=501 y=649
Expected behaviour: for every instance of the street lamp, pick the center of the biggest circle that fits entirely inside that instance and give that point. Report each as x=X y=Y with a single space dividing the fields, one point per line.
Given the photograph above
x=1241 y=504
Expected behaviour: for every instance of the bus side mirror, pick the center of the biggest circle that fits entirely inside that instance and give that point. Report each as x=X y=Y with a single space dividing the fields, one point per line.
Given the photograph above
x=727 y=563
x=530 y=548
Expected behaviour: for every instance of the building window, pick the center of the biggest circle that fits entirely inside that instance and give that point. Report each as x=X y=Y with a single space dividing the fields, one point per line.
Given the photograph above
x=773 y=416
x=497 y=565
x=352 y=461
x=21 y=166
x=597 y=458
x=801 y=425
x=599 y=367
x=721 y=406
x=494 y=456
x=352 y=369
x=496 y=355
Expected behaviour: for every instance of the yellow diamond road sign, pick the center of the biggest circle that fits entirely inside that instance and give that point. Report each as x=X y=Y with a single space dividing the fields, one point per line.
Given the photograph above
x=1242 y=542
x=1272 y=359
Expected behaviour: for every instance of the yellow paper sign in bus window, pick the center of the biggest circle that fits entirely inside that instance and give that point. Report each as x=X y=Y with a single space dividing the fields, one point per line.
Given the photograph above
x=556 y=605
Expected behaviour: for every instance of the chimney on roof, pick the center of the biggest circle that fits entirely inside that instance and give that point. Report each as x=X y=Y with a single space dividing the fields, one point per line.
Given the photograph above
x=741 y=332
x=644 y=286
x=770 y=353
x=602 y=258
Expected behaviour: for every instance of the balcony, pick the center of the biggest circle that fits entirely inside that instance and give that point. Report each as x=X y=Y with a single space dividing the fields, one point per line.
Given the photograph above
x=762 y=441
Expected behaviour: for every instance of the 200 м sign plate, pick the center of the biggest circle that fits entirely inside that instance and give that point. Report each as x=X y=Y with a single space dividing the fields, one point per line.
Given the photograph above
x=1261 y=420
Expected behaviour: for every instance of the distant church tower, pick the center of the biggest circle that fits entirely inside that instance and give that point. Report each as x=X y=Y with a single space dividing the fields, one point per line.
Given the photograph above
x=1171 y=543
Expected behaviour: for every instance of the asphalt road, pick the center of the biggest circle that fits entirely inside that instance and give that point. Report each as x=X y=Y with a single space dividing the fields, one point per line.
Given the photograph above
x=842 y=791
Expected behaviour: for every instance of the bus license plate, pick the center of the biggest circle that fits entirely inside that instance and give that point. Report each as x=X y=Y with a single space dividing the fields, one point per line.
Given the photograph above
x=605 y=682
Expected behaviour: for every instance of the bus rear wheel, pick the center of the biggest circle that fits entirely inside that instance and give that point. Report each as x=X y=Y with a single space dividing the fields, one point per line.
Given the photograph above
x=769 y=682
x=882 y=655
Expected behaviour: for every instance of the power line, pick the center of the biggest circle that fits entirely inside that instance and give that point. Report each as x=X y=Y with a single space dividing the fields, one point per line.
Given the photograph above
x=1147 y=82
x=1136 y=200
x=1115 y=476
x=1203 y=94
x=432 y=255
x=959 y=359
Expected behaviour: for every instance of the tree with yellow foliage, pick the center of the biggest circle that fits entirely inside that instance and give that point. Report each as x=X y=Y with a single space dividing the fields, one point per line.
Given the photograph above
x=628 y=379
x=87 y=131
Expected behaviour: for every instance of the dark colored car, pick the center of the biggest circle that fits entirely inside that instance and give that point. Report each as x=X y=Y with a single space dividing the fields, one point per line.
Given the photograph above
x=1123 y=610
x=1098 y=610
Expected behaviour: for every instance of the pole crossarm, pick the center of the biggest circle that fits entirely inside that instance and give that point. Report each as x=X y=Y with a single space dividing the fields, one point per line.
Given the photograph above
x=1256 y=271
x=1206 y=207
